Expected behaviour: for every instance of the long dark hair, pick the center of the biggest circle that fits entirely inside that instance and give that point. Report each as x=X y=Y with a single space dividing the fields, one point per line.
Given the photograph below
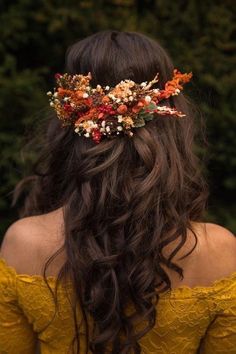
x=124 y=199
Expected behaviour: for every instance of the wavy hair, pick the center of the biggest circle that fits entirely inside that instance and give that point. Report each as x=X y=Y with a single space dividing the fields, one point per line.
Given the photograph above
x=124 y=199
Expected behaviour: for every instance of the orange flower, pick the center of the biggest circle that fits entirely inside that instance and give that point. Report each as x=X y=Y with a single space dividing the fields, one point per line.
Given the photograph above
x=105 y=99
x=64 y=92
x=141 y=103
x=122 y=109
x=89 y=115
x=182 y=77
x=175 y=84
x=79 y=94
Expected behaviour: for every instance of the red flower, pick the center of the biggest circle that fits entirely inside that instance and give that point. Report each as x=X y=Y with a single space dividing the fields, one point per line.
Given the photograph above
x=105 y=99
x=58 y=76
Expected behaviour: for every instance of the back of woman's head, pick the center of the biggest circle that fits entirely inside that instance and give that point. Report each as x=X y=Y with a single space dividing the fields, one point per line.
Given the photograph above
x=125 y=199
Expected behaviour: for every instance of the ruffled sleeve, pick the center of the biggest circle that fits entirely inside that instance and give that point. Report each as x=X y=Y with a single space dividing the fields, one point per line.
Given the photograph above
x=221 y=333
x=16 y=334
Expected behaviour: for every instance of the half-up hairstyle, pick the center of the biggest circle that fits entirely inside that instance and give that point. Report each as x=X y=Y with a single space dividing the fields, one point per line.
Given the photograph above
x=124 y=199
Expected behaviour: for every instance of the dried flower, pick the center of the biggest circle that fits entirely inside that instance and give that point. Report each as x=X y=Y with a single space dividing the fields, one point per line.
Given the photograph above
x=98 y=112
x=122 y=109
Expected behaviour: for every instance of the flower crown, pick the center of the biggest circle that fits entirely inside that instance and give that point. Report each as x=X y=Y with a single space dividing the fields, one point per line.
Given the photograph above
x=104 y=111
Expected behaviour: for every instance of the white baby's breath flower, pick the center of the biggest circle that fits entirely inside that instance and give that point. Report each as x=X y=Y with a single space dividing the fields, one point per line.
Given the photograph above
x=99 y=87
x=66 y=99
x=131 y=98
x=103 y=123
x=85 y=95
x=108 y=128
x=148 y=99
x=120 y=119
x=76 y=129
x=107 y=88
x=143 y=84
x=119 y=128
x=52 y=104
x=177 y=91
x=87 y=135
x=112 y=96
x=49 y=93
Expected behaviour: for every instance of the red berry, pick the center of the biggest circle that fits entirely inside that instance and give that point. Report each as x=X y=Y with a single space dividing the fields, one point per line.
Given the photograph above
x=67 y=107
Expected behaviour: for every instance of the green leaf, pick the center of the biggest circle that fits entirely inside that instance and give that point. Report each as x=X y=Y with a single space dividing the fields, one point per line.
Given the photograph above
x=152 y=106
x=146 y=115
x=139 y=122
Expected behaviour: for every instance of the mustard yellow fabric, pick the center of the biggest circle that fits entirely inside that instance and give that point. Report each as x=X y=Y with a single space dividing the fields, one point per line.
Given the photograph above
x=186 y=317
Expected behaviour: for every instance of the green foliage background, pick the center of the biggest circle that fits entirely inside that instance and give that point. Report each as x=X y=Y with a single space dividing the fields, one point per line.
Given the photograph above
x=198 y=35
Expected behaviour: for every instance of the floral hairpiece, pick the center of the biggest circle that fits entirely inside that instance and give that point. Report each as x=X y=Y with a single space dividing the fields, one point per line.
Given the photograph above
x=104 y=111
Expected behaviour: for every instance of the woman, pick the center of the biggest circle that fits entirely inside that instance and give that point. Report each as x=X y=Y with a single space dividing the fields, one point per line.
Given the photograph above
x=111 y=251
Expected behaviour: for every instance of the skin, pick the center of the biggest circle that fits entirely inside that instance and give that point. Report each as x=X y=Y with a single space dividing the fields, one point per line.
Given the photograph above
x=30 y=241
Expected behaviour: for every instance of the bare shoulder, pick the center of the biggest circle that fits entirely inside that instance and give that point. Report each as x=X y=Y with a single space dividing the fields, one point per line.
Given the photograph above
x=18 y=233
x=219 y=249
x=26 y=241
x=21 y=243
x=217 y=234
x=213 y=257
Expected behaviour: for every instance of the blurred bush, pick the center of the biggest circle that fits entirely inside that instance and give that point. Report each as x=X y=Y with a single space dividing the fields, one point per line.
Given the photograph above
x=198 y=35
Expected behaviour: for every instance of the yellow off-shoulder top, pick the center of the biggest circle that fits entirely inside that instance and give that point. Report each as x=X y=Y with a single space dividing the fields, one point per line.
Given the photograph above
x=187 y=318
